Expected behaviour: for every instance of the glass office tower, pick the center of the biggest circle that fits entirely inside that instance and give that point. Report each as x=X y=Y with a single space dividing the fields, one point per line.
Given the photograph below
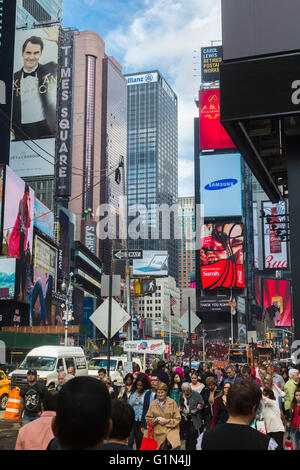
x=31 y=12
x=152 y=155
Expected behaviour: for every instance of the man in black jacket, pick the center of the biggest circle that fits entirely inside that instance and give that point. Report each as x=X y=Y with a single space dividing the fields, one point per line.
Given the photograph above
x=237 y=434
x=34 y=92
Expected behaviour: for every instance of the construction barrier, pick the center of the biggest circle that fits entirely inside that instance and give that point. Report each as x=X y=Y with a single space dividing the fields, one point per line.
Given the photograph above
x=13 y=405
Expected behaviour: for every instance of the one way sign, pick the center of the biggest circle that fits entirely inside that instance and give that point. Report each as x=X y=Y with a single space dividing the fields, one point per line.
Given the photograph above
x=132 y=254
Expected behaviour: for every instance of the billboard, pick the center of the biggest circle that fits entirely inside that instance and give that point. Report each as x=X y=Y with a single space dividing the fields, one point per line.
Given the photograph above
x=154 y=263
x=44 y=283
x=7 y=278
x=277 y=302
x=275 y=249
x=211 y=57
x=89 y=234
x=18 y=228
x=221 y=256
x=7 y=35
x=65 y=106
x=34 y=100
x=221 y=185
x=64 y=246
x=212 y=133
x=43 y=218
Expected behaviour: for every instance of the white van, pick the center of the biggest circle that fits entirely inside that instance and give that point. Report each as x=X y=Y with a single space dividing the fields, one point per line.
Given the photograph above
x=48 y=361
x=117 y=366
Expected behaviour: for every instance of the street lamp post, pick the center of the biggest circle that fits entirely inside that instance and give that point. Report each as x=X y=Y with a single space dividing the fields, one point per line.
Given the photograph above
x=68 y=313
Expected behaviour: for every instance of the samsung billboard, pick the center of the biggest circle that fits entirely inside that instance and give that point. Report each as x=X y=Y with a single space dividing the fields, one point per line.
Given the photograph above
x=221 y=185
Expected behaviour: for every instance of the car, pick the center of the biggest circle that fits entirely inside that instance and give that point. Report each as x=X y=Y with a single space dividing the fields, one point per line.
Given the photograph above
x=117 y=366
x=4 y=390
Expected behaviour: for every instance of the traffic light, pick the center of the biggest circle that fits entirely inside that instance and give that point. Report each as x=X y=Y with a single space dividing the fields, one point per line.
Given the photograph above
x=144 y=286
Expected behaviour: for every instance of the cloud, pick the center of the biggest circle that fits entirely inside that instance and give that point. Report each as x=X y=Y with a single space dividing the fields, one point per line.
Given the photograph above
x=164 y=35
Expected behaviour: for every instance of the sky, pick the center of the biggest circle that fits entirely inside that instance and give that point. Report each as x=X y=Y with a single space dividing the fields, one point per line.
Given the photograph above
x=157 y=34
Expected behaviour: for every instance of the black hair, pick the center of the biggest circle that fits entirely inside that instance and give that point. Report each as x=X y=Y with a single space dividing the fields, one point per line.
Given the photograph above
x=141 y=378
x=33 y=40
x=102 y=370
x=172 y=381
x=50 y=401
x=127 y=376
x=269 y=393
x=83 y=413
x=122 y=416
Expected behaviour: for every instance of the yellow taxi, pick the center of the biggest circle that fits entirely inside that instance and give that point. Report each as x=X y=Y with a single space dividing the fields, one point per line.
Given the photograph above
x=4 y=390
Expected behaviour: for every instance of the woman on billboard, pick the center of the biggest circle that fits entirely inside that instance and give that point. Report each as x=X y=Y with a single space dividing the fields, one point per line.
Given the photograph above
x=17 y=243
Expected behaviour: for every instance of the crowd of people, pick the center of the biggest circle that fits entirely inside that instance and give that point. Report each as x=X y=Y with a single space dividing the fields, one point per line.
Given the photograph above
x=236 y=407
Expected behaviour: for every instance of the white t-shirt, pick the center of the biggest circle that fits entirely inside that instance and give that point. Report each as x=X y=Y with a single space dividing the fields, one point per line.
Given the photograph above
x=31 y=103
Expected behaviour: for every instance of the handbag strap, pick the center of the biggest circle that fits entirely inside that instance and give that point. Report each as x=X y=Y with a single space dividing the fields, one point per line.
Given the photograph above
x=150 y=429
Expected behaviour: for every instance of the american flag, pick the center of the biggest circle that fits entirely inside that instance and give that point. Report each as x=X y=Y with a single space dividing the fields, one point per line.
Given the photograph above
x=172 y=300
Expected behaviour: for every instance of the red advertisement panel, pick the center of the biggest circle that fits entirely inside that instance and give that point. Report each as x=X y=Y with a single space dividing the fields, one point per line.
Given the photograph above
x=277 y=302
x=212 y=133
x=221 y=256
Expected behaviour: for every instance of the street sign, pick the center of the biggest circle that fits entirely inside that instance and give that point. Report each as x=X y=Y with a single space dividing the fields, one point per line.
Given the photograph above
x=116 y=285
x=184 y=321
x=132 y=254
x=118 y=318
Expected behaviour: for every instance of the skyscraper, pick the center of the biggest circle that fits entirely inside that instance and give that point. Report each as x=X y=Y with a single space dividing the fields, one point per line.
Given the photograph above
x=30 y=12
x=152 y=154
x=186 y=254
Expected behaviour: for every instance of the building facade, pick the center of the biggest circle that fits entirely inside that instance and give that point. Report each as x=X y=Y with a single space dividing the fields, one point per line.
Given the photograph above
x=152 y=157
x=32 y=12
x=186 y=252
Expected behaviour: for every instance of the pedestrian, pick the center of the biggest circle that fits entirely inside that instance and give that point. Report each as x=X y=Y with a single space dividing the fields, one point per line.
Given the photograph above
x=295 y=419
x=220 y=413
x=206 y=373
x=195 y=384
x=272 y=416
x=165 y=416
x=71 y=371
x=136 y=400
x=262 y=372
x=232 y=375
x=236 y=434
x=31 y=398
x=186 y=374
x=278 y=393
x=175 y=387
x=290 y=388
x=111 y=390
x=277 y=379
x=122 y=416
x=209 y=394
x=37 y=434
x=101 y=373
x=82 y=420
x=126 y=390
x=163 y=376
x=150 y=396
x=248 y=374
x=61 y=378
x=190 y=403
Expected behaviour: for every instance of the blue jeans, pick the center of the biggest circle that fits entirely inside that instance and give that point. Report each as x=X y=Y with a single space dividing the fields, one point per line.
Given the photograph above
x=27 y=419
x=294 y=438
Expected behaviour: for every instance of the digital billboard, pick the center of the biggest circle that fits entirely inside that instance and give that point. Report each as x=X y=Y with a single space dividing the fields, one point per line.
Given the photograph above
x=221 y=255
x=211 y=57
x=275 y=249
x=154 y=263
x=277 y=302
x=44 y=283
x=34 y=101
x=221 y=185
x=18 y=228
x=7 y=278
x=43 y=218
x=212 y=133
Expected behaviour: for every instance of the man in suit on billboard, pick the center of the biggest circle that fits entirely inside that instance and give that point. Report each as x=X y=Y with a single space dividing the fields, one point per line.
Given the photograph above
x=34 y=95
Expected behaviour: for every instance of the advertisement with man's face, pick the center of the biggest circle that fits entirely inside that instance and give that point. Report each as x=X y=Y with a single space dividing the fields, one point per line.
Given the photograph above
x=221 y=256
x=34 y=101
x=277 y=302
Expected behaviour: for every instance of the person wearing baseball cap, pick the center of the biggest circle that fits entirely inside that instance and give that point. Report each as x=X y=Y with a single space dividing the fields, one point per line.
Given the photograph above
x=31 y=396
